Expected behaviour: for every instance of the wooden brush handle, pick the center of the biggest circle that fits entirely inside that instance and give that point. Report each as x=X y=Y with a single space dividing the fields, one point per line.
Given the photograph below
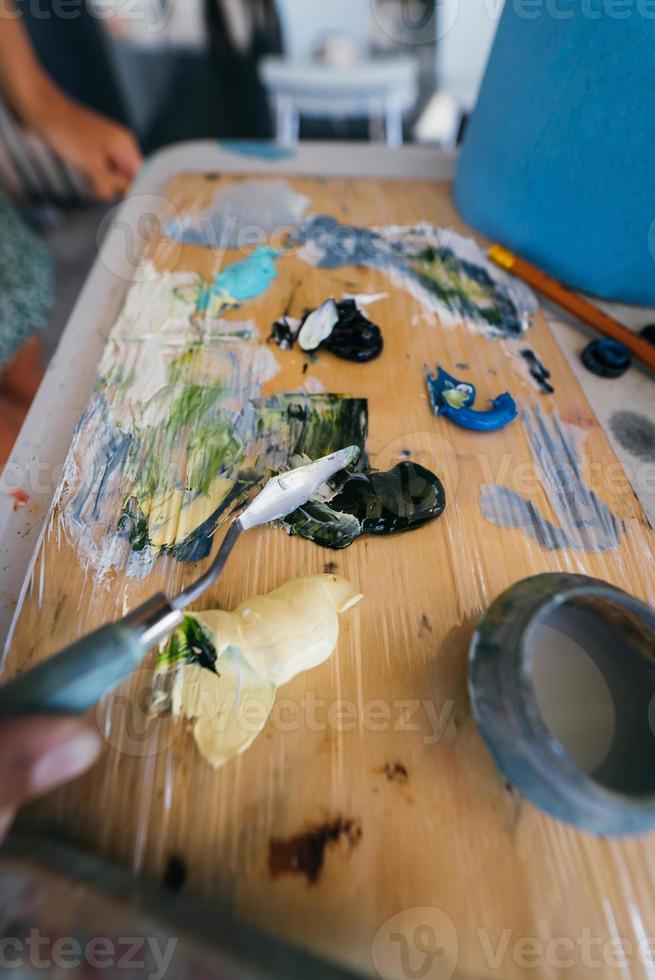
x=573 y=303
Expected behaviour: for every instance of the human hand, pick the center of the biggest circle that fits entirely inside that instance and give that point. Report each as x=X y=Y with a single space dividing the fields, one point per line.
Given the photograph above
x=104 y=152
x=38 y=754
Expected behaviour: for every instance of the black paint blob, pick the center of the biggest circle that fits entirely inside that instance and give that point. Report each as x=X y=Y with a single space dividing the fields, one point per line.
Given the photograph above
x=648 y=333
x=606 y=358
x=538 y=371
x=353 y=338
x=384 y=503
x=284 y=334
x=406 y=497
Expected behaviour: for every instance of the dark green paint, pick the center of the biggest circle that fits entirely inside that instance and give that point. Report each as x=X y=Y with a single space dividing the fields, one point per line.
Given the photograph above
x=189 y=644
x=405 y=498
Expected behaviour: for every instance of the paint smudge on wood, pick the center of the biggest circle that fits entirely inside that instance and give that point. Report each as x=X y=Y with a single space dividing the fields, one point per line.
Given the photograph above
x=448 y=274
x=305 y=853
x=635 y=433
x=585 y=522
x=176 y=430
x=396 y=772
x=269 y=206
x=537 y=371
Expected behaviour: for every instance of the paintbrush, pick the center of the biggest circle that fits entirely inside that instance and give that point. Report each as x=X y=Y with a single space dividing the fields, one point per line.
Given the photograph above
x=573 y=303
x=73 y=681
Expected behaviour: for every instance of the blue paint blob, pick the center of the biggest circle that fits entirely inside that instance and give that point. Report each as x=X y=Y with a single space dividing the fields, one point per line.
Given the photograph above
x=455 y=399
x=606 y=358
x=258 y=149
x=248 y=278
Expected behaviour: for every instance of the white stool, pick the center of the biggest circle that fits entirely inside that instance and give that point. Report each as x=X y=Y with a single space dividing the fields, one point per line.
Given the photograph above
x=383 y=88
x=298 y=85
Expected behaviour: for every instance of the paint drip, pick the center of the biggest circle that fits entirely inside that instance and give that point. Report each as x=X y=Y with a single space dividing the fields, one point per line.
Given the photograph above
x=405 y=498
x=455 y=399
x=585 y=522
x=448 y=274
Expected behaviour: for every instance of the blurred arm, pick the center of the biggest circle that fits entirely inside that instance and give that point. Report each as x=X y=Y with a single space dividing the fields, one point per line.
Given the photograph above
x=106 y=153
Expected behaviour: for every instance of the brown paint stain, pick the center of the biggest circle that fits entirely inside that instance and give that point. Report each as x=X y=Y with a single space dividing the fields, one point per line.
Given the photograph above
x=305 y=853
x=426 y=627
x=396 y=772
x=580 y=418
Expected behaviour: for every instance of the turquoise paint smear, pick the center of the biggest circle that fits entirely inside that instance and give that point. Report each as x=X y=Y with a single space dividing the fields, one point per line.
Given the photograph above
x=258 y=149
x=241 y=281
x=585 y=522
x=249 y=278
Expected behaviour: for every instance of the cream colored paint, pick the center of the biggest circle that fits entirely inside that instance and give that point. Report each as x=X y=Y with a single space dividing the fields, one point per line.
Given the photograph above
x=260 y=646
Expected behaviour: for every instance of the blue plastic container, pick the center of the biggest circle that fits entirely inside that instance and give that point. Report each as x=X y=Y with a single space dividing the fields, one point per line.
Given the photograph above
x=558 y=162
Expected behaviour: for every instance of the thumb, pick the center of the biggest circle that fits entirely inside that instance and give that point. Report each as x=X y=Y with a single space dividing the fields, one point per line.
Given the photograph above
x=41 y=752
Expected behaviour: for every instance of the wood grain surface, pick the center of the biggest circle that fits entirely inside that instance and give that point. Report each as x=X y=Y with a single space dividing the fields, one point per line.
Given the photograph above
x=381 y=735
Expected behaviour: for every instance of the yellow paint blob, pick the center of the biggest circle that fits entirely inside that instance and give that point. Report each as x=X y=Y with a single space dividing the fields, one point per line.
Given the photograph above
x=174 y=516
x=263 y=644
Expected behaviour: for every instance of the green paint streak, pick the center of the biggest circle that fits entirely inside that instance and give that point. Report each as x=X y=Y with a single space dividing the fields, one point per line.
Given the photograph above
x=462 y=285
x=135 y=523
x=202 y=441
x=179 y=370
x=318 y=522
x=212 y=447
x=191 y=644
x=192 y=404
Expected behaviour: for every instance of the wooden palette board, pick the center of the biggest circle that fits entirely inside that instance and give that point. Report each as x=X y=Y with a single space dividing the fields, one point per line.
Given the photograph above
x=452 y=836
